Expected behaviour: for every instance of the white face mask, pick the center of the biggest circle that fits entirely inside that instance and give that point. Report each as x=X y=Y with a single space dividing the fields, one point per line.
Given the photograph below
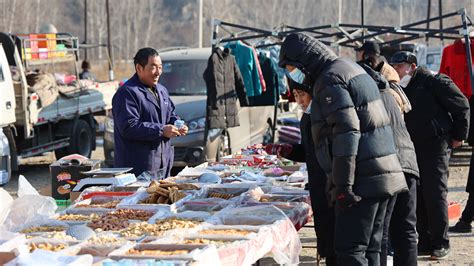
x=405 y=80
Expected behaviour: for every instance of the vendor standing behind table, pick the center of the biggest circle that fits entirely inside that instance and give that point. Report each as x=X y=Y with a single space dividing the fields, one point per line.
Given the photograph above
x=323 y=214
x=143 y=119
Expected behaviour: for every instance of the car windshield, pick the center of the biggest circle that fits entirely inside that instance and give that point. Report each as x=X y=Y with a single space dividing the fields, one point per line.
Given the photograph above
x=184 y=77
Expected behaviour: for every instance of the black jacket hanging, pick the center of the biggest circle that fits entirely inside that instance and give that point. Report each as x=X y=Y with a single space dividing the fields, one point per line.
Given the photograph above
x=224 y=84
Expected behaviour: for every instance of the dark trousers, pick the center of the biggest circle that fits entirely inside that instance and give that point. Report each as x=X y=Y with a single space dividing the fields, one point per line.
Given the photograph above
x=358 y=232
x=400 y=226
x=324 y=220
x=432 y=205
x=468 y=212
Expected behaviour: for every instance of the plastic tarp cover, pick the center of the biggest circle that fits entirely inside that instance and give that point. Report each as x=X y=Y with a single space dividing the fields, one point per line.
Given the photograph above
x=9 y=240
x=194 y=171
x=205 y=204
x=277 y=235
x=203 y=256
x=41 y=257
x=28 y=207
x=250 y=215
x=7 y=202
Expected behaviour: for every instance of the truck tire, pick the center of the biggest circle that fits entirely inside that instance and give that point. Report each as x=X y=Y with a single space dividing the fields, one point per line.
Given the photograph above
x=13 y=152
x=81 y=141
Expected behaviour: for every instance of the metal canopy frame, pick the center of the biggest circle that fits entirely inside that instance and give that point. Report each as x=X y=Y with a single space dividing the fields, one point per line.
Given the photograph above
x=351 y=35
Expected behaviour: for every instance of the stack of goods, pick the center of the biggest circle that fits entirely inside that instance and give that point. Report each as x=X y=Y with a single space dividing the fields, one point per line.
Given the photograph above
x=232 y=219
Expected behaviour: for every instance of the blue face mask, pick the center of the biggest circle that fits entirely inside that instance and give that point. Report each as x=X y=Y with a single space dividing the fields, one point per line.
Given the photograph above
x=295 y=75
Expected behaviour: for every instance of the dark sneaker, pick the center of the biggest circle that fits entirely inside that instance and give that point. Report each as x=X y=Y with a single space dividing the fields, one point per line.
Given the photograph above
x=461 y=227
x=439 y=254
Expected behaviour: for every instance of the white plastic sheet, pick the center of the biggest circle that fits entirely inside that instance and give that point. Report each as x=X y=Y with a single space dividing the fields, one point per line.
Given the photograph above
x=29 y=206
x=7 y=202
x=42 y=257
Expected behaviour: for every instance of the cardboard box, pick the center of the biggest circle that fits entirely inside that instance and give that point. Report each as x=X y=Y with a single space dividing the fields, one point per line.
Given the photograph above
x=65 y=177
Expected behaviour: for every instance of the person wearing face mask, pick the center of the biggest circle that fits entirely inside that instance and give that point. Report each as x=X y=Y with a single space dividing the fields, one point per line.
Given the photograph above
x=323 y=214
x=438 y=122
x=353 y=143
x=400 y=218
x=143 y=119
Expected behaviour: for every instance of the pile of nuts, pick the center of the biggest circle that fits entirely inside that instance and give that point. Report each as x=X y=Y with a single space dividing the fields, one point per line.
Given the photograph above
x=157 y=252
x=108 y=205
x=204 y=241
x=166 y=192
x=59 y=236
x=104 y=240
x=140 y=229
x=116 y=220
x=132 y=214
x=174 y=223
x=108 y=222
x=232 y=232
x=44 y=228
x=157 y=229
x=77 y=217
x=47 y=246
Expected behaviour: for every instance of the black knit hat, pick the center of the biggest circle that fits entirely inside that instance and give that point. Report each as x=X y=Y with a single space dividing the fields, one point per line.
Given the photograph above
x=298 y=86
x=370 y=46
x=403 y=57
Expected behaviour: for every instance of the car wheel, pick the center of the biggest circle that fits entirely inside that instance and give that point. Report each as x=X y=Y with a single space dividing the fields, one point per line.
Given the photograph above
x=268 y=134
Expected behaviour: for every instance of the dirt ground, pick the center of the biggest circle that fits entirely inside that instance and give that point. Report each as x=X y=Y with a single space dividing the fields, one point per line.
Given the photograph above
x=36 y=170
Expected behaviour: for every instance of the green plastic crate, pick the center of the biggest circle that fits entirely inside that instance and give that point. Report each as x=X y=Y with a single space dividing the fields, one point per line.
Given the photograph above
x=63 y=203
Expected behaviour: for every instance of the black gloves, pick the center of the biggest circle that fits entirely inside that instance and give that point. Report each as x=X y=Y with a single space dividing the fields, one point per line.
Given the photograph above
x=345 y=198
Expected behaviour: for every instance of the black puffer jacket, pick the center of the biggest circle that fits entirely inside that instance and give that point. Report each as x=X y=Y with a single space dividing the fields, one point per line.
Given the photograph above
x=403 y=144
x=224 y=84
x=351 y=129
x=440 y=110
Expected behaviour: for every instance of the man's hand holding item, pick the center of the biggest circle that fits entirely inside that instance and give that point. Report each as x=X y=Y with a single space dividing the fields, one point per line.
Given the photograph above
x=183 y=130
x=170 y=131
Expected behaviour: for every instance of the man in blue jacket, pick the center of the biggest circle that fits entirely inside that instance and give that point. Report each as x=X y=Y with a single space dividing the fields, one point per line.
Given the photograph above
x=143 y=119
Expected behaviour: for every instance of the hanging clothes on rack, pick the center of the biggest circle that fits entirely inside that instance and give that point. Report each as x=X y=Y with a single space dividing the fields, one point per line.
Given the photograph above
x=245 y=58
x=259 y=68
x=269 y=71
x=454 y=64
x=224 y=84
x=274 y=55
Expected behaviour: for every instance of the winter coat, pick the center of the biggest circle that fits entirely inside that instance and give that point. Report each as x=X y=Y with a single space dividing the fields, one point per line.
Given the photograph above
x=454 y=64
x=439 y=111
x=351 y=129
x=224 y=84
x=246 y=60
x=269 y=71
x=403 y=144
x=138 y=125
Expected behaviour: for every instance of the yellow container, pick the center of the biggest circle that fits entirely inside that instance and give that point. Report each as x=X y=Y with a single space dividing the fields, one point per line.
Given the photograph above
x=52 y=44
x=26 y=56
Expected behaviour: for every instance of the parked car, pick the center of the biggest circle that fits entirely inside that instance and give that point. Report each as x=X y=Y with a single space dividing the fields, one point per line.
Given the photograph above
x=183 y=77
